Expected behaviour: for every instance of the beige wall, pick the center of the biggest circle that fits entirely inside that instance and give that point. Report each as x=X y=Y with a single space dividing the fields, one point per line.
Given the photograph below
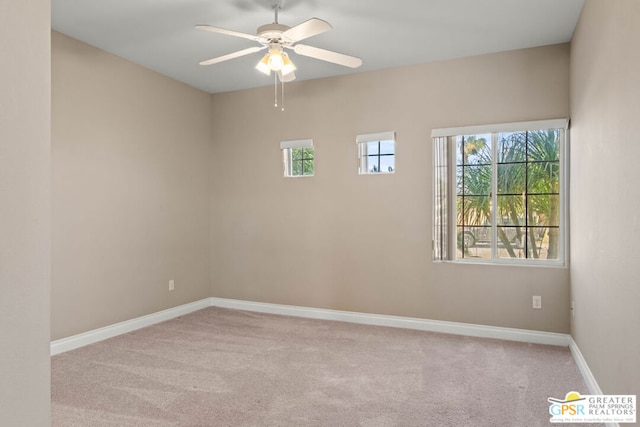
x=25 y=219
x=363 y=243
x=130 y=189
x=605 y=218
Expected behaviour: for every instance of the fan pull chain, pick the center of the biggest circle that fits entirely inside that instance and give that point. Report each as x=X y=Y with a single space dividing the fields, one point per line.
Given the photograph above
x=275 y=87
x=275 y=90
x=282 y=82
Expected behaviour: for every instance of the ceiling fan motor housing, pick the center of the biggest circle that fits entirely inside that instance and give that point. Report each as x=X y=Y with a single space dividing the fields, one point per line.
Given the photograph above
x=272 y=32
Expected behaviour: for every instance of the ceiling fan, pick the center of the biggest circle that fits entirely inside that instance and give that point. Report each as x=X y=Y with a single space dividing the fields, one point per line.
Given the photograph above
x=276 y=38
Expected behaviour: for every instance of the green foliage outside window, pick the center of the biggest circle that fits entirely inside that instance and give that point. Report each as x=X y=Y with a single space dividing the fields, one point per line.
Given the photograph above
x=302 y=162
x=526 y=168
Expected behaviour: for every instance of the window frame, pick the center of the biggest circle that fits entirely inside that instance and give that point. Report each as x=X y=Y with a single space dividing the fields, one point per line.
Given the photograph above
x=445 y=165
x=364 y=140
x=287 y=148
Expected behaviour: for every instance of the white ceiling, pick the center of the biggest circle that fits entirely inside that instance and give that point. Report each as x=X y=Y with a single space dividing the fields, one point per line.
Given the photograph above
x=160 y=34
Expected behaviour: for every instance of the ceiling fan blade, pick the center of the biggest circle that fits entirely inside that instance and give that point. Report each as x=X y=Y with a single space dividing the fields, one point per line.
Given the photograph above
x=310 y=28
x=287 y=77
x=233 y=55
x=327 y=55
x=227 y=32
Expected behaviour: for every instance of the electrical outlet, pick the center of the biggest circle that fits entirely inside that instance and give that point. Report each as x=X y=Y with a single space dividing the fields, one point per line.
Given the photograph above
x=537 y=301
x=573 y=308
x=172 y=285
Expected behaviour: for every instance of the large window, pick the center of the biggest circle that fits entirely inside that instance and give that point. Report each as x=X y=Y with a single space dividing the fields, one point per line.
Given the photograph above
x=298 y=157
x=500 y=192
x=377 y=153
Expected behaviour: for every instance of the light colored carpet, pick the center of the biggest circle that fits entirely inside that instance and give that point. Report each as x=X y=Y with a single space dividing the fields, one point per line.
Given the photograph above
x=221 y=367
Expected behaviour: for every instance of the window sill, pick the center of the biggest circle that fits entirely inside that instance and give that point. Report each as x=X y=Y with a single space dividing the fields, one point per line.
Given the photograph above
x=505 y=263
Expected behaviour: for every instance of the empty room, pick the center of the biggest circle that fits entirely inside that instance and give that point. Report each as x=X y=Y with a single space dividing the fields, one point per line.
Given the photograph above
x=318 y=212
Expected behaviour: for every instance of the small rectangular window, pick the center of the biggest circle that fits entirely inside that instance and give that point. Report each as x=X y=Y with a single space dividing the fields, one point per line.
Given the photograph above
x=376 y=153
x=298 y=157
x=499 y=192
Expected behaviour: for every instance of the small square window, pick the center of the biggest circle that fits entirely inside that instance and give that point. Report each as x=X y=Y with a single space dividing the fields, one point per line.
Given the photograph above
x=377 y=153
x=298 y=157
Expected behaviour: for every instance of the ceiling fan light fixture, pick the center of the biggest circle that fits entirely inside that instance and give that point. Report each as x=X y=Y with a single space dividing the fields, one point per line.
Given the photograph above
x=276 y=61
x=263 y=65
x=288 y=66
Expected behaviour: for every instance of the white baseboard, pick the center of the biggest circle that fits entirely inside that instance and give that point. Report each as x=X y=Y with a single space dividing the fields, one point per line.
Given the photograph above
x=587 y=375
x=90 y=337
x=510 y=334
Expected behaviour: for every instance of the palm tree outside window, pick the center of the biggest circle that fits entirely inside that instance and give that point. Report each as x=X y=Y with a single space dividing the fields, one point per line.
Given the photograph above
x=508 y=188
